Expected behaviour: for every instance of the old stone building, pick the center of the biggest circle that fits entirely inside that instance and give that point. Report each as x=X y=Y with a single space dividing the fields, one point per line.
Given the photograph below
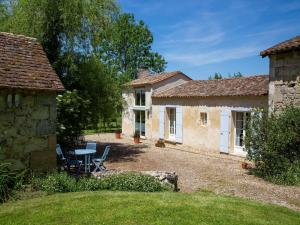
x=28 y=88
x=284 y=86
x=204 y=114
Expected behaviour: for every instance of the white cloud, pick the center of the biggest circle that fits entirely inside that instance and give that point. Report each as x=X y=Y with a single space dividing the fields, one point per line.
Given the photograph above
x=221 y=55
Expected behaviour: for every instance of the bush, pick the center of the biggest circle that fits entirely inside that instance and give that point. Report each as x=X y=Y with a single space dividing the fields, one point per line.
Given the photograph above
x=73 y=116
x=62 y=182
x=273 y=143
x=9 y=181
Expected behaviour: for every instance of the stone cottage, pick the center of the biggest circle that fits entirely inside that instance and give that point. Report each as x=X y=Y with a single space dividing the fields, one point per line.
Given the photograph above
x=284 y=87
x=28 y=88
x=205 y=114
x=210 y=114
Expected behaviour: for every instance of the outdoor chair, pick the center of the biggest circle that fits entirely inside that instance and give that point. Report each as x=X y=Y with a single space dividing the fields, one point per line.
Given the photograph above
x=91 y=145
x=99 y=161
x=67 y=162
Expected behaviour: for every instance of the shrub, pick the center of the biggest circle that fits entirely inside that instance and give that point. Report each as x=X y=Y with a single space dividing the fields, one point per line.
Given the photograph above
x=273 y=143
x=62 y=182
x=55 y=182
x=73 y=116
x=9 y=181
x=133 y=182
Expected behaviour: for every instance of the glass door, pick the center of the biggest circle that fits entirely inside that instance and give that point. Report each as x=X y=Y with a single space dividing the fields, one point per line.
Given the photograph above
x=240 y=131
x=140 y=120
x=172 y=130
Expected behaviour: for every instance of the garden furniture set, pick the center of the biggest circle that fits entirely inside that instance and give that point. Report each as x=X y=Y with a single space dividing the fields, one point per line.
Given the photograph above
x=86 y=157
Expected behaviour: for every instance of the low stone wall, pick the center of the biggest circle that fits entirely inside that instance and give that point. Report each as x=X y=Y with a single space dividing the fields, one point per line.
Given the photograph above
x=27 y=131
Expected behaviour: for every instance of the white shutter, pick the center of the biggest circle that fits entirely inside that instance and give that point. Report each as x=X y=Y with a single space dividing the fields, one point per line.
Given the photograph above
x=224 y=131
x=162 y=122
x=179 y=124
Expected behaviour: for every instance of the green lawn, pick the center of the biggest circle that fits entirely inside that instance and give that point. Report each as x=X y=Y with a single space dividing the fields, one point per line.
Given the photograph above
x=123 y=208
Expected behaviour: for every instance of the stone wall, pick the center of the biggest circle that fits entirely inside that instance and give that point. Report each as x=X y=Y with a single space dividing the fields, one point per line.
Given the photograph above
x=27 y=132
x=284 y=86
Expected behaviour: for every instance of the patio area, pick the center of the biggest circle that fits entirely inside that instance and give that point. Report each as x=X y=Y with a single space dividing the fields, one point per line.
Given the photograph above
x=197 y=171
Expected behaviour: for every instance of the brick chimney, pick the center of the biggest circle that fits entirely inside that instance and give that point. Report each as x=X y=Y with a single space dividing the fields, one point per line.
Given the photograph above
x=143 y=72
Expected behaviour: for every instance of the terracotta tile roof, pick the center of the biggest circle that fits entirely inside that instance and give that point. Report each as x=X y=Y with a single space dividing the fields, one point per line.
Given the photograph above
x=287 y=45
x=244 y=86
x=152 y=79
x=24 y=64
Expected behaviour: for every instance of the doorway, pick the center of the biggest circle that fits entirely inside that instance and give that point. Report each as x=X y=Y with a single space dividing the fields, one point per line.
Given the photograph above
x=140 y=120
x=172 y=123
x=241 y=119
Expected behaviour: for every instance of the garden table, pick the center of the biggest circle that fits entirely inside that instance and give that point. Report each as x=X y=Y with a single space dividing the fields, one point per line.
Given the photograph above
x=87 y=157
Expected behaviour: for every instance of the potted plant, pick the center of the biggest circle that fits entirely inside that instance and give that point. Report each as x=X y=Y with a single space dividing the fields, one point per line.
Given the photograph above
x=118 y=133
x=244 y=165
x=136 y=137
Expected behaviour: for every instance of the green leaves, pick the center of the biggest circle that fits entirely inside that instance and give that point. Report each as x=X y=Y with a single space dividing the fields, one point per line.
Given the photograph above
x=127 y=47
x=273 y=142
x=73 y=115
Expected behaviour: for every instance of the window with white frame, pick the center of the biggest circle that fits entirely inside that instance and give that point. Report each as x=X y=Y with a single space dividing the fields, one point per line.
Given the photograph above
x=203 y=118
x=140 y=97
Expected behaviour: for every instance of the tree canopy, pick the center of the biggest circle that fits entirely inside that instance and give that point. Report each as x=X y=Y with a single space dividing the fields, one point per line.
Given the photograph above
x=91 y=45
x=127 y=47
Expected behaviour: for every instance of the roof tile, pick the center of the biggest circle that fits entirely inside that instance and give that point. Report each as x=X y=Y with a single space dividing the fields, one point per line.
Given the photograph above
x=152 y=79
x=244 y=86
x=24 y=64
x=284 y=46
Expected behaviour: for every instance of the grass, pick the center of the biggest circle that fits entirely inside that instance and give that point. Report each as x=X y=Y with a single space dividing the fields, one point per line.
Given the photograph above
x=143 y=209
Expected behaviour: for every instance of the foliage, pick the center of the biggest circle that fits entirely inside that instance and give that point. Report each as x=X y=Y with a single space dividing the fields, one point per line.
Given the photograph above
x=9 y=181
x=73 y=115
x=127 y=47
x=216 y=76
x=98 y=84
x=107 y=207
x=235 y=75
x=273 y=142
x=62 y=182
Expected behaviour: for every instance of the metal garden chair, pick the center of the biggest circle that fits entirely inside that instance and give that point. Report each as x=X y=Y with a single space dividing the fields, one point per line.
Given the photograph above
x=99 y=161
x=66 y=162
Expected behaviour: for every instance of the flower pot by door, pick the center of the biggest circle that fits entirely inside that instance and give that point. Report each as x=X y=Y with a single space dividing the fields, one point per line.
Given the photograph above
x=136 y=140
x=118 y=135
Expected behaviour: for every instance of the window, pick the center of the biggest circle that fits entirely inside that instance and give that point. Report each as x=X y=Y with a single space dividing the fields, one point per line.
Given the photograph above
x=140 y=97
x=203 y=118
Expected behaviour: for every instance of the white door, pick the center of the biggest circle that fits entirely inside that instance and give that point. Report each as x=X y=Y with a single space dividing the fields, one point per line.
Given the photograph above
x=172 y=123
x=224 y=131
x=240 y=132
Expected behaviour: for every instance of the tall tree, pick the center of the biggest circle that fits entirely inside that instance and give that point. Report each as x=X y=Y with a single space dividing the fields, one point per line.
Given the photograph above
x=127 y=46
x=67 y=29
x=216 y=76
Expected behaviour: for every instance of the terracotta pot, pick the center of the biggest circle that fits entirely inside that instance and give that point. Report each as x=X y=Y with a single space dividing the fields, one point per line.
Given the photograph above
x=136 y=140
x=118 y=135
x=244 y=165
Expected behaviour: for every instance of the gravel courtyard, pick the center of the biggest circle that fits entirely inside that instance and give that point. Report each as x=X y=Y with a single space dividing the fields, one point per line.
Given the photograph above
x=196 y=171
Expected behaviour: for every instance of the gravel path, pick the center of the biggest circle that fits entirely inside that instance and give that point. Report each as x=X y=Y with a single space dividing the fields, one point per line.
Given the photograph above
x=205 y=170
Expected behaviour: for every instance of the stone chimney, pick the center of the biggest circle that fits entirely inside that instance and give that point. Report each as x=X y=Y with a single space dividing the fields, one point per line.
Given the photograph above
x=143 y=72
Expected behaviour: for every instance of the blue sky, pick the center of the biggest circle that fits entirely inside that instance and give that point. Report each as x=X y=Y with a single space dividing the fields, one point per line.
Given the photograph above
x=201 y=37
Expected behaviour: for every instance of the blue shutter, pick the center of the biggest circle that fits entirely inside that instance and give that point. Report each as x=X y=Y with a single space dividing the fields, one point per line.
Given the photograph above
x=162 y=122
x=179 y=124
x=224 y=131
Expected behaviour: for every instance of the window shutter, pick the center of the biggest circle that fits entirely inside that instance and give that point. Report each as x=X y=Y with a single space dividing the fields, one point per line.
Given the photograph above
x=224 y=131
x=179 y=124
x=162 y=122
